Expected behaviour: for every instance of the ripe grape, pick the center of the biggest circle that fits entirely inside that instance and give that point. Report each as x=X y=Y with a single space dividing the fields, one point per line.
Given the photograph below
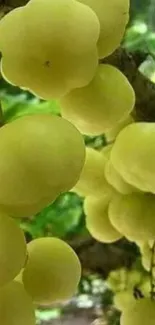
x=16 y=307
x=12 y=249
x=41 y=157
x=92 y=180
x=99 y=106
x=133 y=155
x=133 y=215
x=113 y=16
x=115 y=179
x=141 y=312
x=55 y=48
x=52 y=272
x=97 y=220
x=123 y=299
x=113 y=133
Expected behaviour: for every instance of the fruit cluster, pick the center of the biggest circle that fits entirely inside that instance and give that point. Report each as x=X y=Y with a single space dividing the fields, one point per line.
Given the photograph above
x=53 y=49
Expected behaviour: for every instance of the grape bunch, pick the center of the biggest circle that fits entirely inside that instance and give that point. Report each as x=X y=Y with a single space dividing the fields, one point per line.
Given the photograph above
x=55 y=50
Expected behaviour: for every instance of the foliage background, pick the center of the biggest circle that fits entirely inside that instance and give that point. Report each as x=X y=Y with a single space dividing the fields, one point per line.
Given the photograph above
x=65 y=217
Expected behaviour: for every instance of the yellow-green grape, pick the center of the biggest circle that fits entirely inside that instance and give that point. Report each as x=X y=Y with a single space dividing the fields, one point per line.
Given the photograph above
x=106 y=150
x=133 y=215
x=134 y=278
x=123 y=299
x=112 y=134
x=52 y=272
x=117 y=280
x=12 y=249
x=146 y=257
x=145 y=286
x=133 y=155
x=142 y=312
x=92 y=180
x=62 y=40
x=113 y=16
x=41 y=157
x=99 y=106
x=16 y=307
x=97 y=220
x=115 y=179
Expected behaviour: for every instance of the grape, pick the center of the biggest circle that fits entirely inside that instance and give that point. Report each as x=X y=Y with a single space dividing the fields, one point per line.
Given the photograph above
x=146 y=255
x=97 y=220
x=114 y=179
x=141 y=312
x=101 y=105
x=55 y=48
x=133 y=215
x=112 y=134
x=133 y=155
x=12 y=249
x=117 y=280
x=52 y=272
x=113 y=16
x=92 y=180
x=16 y=307
x=123 y=299
x=41 y=157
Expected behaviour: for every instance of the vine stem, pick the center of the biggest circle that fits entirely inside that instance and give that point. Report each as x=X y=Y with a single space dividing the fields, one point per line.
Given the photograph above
x=152 y=284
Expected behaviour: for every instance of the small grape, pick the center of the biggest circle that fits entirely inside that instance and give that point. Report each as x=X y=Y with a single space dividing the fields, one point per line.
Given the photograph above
x=123 y=299
x=133 y=215
x=115 y=180
x=113 y=16
x=92 y=108
x=92 y=179
x=16 y=306
x=133 y=155
x=62 y=40
x=141 y=312
x=12 y=249
x=97 y=220
x=113 y=133
x=52 y=272
x=41 y=157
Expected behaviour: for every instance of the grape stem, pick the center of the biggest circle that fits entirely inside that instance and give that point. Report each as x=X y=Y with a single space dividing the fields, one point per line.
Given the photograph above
x=152 y=280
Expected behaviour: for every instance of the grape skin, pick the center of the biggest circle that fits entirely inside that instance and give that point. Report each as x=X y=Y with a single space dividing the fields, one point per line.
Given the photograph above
x=12 y=249
x=92 y=179
x=36 y=165
x=97 y=220
x=92 y=109
x=113 y=17
x=52 y=66
x=52 y=272
x=123 y=299
x=135 y=161
x=142 y=312
x=16 y=307
x=133 y=215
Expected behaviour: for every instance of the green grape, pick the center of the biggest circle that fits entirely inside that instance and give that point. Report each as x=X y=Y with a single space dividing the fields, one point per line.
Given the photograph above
x=113 y=133
x=92 y=180
x=117 y=280
x=123 y=299
x=16 y=307
x=134 y=278
x=133 y=215
x=99 y=106
x=113 y=16
x=55 y=48
x=12 y=249
x=145 y=286
x=146 y=256
x=115 y=180
x=97 y=220
x=133 y=155
x=106 y=150
x=142 y=312
x=52 y=272
x=41 y=157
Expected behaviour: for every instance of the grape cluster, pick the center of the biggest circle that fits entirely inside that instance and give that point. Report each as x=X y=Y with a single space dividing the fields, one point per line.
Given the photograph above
x=53 y=49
